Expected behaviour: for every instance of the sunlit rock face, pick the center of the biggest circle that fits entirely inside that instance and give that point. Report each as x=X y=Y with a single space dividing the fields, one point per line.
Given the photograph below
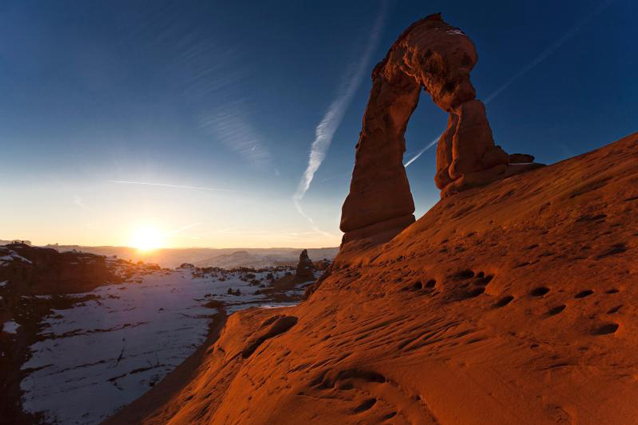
x=515 y=297
x=437 y=57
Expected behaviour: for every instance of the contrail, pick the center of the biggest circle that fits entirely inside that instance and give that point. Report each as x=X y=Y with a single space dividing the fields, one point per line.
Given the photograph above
x=332 y=119
x=80 y=203
x=181 y=229
x=212 y=189
x=310 y=220
x=573 y=30
x=415 y=157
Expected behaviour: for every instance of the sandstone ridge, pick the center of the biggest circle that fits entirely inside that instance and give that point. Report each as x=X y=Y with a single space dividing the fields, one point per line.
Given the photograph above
x=508 y=303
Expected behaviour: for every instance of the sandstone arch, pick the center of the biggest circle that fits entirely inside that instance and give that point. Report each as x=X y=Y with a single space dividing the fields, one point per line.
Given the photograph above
x=437 y=57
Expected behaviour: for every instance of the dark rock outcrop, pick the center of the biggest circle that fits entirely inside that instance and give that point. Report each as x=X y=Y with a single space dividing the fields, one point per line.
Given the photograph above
x=437 y=57
x=35 y=270
x=304 y=268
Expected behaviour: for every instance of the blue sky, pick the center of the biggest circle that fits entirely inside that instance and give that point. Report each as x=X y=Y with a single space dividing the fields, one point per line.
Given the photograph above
x=218 y=103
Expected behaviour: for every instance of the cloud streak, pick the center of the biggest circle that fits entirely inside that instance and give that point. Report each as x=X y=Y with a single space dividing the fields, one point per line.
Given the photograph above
x=231 y=126
x=77 y=200
x=181 y=229
x=422 y=151
x=210 y=72
x=573 y=30
x=332 y=119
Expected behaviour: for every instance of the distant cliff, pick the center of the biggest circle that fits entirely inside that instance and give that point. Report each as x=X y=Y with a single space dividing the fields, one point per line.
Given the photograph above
x=228 y=258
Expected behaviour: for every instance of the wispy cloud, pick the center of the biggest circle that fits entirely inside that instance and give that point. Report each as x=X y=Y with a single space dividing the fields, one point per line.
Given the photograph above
x=232 y=127
x=206 y=68
x=332 y=119
x=571 y=32
x=181 y=229
x=77 y=200
x=310 y=220
x=210 y=71
x=199 y=62
x=175 y=186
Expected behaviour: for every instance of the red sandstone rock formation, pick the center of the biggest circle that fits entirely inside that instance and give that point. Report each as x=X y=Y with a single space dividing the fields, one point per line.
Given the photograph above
x=437 y=57
x=512 y=303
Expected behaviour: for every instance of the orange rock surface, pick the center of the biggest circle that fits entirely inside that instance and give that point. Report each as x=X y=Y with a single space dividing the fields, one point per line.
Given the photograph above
x=436 y=57
x=508 y=303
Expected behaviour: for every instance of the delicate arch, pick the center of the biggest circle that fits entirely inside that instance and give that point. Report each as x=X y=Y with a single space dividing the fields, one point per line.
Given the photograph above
x=437 y=57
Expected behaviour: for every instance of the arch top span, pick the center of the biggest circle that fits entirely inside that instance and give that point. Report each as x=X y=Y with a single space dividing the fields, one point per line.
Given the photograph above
x=438 y=58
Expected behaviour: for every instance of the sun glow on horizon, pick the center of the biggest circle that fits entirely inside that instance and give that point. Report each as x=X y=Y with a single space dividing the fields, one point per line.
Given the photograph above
x=147 y=238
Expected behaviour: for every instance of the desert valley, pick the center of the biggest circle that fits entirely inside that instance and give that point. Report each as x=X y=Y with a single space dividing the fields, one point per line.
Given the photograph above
x=84 y=334
x=509 y=299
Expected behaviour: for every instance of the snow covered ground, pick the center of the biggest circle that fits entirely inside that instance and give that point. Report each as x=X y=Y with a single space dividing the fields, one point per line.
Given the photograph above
x=10 y=327
x=8 y=256
x=101 y=354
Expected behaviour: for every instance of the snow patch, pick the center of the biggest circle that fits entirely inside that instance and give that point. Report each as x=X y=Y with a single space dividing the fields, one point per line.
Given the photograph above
x=12 y=256
x=102 y=354
x=10 y=327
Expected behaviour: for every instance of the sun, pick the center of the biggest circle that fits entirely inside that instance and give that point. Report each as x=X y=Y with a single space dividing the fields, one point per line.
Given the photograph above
x=147 y=238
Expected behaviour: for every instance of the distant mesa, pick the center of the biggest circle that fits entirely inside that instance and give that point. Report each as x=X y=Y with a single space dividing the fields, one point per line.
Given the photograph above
x=15 y=241
x=437 y=57
x=36 y=270
x=225 y=258
x=261 y=258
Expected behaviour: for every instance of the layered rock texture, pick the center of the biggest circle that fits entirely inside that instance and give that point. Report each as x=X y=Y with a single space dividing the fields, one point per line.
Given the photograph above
x=438 y=58
x=512 y=303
